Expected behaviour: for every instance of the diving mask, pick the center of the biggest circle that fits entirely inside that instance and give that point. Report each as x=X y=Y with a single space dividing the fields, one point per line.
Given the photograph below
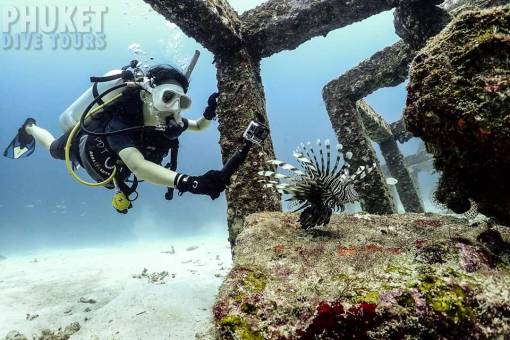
x=170 y=98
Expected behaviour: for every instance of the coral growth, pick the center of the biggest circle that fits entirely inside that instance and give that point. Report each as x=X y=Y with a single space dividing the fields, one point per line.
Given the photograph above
x=368 y=277
x=458 y=103
x=417 y=21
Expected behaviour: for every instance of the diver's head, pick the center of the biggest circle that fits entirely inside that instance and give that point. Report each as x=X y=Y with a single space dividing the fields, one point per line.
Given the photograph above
x=166 y=97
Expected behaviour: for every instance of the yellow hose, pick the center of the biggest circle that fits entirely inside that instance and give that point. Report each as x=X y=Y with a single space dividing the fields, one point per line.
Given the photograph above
x=73 y=133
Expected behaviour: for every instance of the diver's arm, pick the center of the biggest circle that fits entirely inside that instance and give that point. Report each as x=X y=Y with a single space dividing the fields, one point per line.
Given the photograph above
x=211 y=183
x=199 y=124
x=146 y=170
x=209 y=114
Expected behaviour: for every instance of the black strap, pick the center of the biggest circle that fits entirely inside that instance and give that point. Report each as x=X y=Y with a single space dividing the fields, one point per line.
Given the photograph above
x=174 y=153
x=126 y=75
x=105 y=79
x=126 y=189
x=95 y=93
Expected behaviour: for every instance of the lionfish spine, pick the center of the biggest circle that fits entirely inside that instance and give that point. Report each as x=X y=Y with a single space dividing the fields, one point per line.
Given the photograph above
x=328 y=154
x=314 y=156
x=319 y=145
x=363 y=174
x=305 y=162
x=339 y=156
x=306 y=152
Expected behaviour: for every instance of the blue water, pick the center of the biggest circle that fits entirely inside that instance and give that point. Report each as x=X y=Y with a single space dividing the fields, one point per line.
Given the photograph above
x=42 y=207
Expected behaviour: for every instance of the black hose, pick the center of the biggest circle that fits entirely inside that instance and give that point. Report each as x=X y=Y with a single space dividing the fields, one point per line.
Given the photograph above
x=96 y=101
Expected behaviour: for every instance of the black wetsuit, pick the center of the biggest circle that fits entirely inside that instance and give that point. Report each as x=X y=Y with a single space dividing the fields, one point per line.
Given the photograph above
x=99 y=155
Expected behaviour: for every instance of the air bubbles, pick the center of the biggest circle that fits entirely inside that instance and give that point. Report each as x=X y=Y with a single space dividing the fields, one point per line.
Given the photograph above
x=136 y=48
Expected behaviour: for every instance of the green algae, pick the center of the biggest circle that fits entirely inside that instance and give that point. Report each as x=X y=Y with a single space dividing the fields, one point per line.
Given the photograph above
x=448 y=299
x=371 y=297
x=485 y=35
x=255 y=282
x=397 y=268
x=452 y=304
x=250 y=282
x=239 y=326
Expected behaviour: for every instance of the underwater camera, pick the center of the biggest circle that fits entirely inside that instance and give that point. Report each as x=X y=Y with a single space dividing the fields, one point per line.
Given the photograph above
x=256 y=132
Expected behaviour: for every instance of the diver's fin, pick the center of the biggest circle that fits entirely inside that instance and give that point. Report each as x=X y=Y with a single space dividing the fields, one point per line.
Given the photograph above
x=23 y=145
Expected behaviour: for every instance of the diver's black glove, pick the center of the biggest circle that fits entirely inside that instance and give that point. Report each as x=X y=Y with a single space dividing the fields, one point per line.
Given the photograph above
x=211 y=184
x=212 y=105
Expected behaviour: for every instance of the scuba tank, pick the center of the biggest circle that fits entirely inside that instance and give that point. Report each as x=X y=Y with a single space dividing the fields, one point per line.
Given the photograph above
x=71 y=116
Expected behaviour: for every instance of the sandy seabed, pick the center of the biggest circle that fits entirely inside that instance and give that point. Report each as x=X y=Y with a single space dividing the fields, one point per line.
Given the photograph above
x=49 y=285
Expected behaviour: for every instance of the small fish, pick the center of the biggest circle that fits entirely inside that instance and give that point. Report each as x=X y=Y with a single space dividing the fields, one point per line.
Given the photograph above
x=391 y=181
x=318 y=187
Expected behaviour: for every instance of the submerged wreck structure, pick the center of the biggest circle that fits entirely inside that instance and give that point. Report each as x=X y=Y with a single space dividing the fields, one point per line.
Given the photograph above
x=239 y=42
x=376 y=275
x=459 y=104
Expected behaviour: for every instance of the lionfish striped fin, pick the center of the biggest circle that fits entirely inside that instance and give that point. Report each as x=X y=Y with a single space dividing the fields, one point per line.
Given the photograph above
x=328 y=155
x=306 y=150
x=344 y=171
x=314 y=155
x=358 y=172
x=351 y=195
x=305 y=162
x=339 y=156
x=361 y=175
x=319 y=145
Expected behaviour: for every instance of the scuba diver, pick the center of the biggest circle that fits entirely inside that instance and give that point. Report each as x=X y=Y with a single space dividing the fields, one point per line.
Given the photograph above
x=126 y=124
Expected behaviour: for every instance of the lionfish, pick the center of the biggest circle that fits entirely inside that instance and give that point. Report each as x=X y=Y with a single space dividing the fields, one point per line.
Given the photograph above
x=319 y=187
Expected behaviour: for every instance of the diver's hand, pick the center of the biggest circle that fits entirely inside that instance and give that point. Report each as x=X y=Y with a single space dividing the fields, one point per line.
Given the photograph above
x=212 y=105
x=211 y=184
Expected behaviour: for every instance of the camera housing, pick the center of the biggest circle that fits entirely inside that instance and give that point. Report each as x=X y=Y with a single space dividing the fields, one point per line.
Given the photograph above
x=256 y=132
